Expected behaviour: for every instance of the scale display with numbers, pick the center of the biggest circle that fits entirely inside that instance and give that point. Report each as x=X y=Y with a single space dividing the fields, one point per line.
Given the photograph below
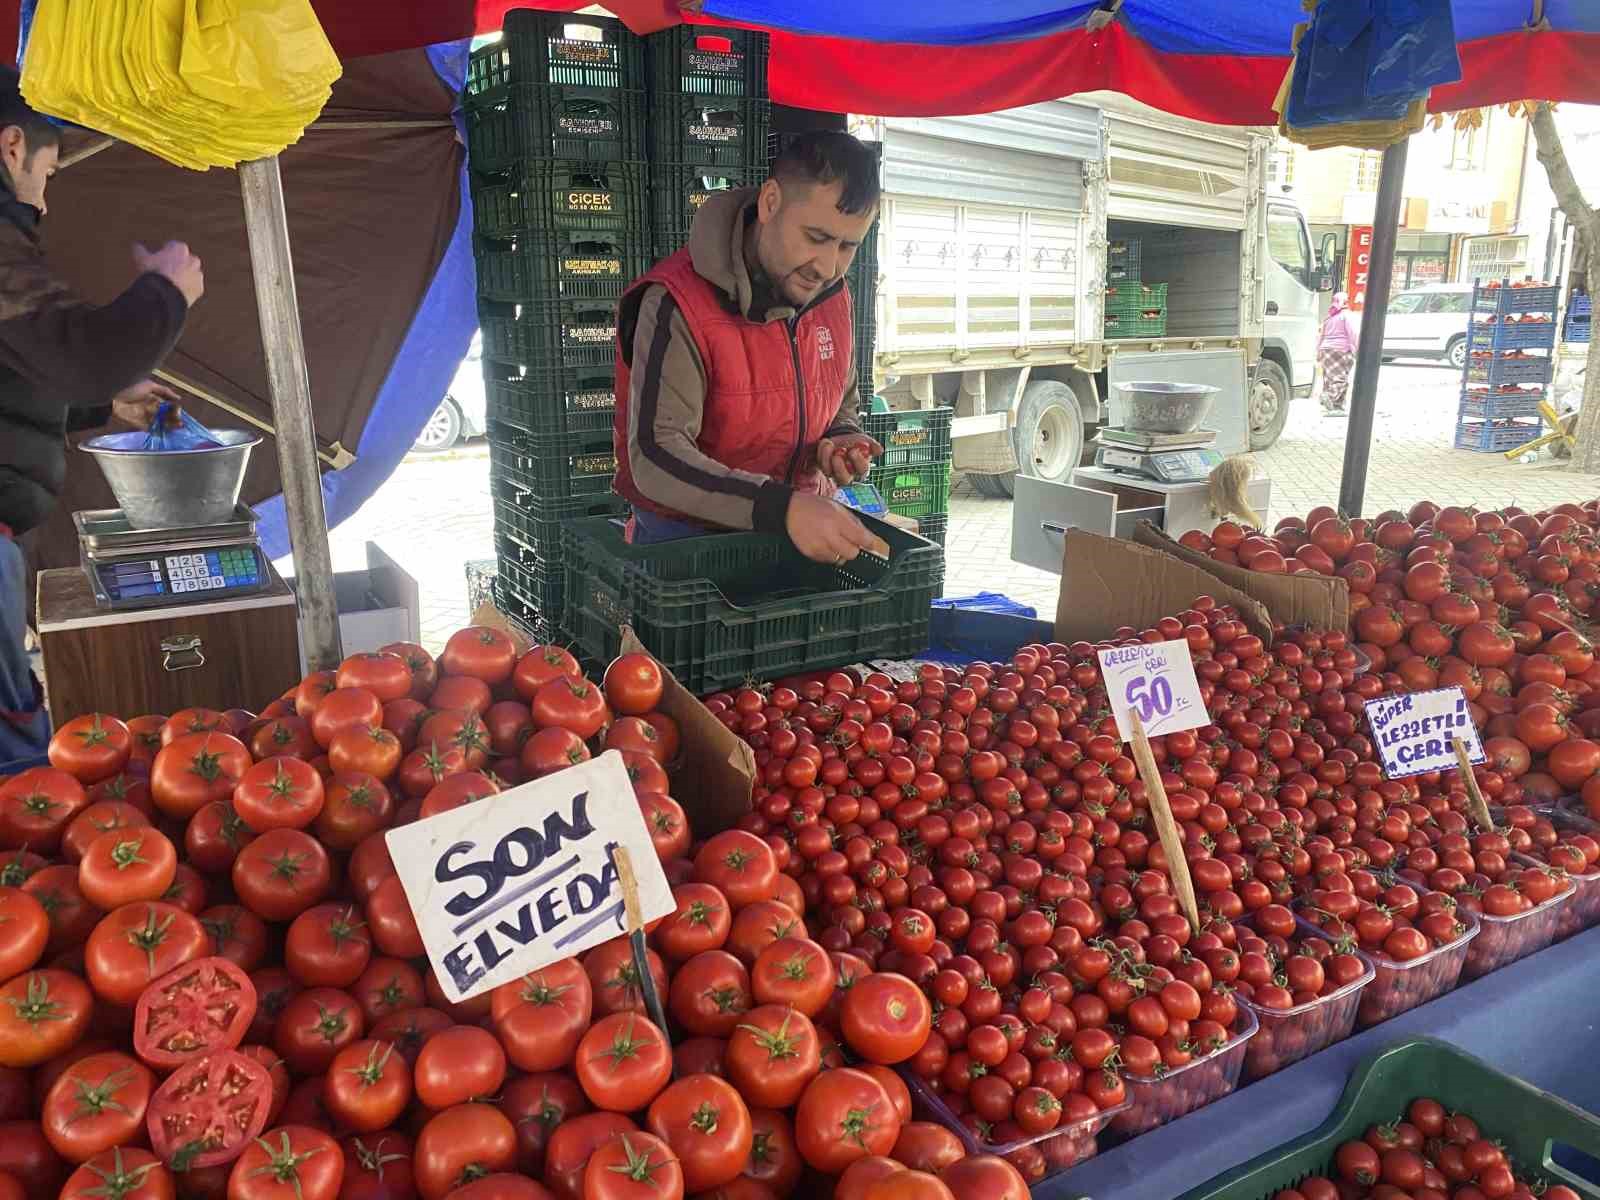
x=863 y=497
x=1166 y=458
x=148 y=568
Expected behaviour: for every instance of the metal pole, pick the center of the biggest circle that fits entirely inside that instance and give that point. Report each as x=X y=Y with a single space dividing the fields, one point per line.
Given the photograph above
x=1369 y=353
x=268 y=227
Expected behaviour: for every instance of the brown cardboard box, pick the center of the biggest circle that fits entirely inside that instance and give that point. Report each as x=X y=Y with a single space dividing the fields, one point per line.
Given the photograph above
x=1107 y=582
x=1321 y=601
x=717 y=773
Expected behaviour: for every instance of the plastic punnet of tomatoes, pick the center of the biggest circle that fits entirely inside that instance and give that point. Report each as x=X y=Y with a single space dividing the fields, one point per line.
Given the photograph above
x=1154 y=1101
x=1294 y=1022
x=1038 y=1155
x=1504 y=939
x=1571 y=842
x=1400 y=984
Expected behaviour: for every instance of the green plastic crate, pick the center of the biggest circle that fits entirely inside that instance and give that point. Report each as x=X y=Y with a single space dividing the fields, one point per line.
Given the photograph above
x=1528 y=1121
x=545 y=334
x=534 y=121
x=548 y=197
x=557 y=400
x=708 y=62
x=1119 y=325
x=534 y=526
x=597 y=265
x=559 y=467
x=915 y=438
x=555 y=47
x=914 y=491
x=727 y=607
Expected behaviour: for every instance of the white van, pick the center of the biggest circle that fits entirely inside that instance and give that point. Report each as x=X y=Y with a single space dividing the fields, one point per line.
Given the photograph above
x=1429 y=322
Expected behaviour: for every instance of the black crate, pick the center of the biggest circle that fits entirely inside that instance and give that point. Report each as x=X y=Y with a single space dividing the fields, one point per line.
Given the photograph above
x=534 y=526
x=1124 y=260
x=708 y=62
x=934 y=528
x=557 y=400
x=679 y=190
x=710 y=130
x=521 y=613
x=550 y=47
x=550 y=197
x=545 y=334
x=572 y=266
x=560 y=466
x=535 y=121
x=534 y=588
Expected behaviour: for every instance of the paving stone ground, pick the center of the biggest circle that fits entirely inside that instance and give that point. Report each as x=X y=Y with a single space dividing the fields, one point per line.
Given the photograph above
x=434 y=514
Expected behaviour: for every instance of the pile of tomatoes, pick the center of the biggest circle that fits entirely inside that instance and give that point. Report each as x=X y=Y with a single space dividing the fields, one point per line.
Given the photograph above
x=211 y=983
x=1489 y=601
x=1426 y=1152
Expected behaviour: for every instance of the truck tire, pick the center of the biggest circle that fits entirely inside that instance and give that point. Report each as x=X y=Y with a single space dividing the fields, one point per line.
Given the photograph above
x=1268 y=404
x=996 y=487
x=1048 y=436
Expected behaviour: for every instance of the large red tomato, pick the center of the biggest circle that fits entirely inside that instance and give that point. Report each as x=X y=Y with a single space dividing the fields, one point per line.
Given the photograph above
x=194 y=769
x=481 y=652
x=291 y=1162
x=540 y=665
x=886 y=1018
x=36 y=807
x=281 y=874
x=91 y=747
x=633 y=685
x=844 y=1115
x=386 y=675
x=574 y=704
x=541 y=1017
x=95 y=1104
x=124 y=865
x=623 y=1062
x=459 y=1145
x=126 y=1173
x=43 y=1014
x=137 y=944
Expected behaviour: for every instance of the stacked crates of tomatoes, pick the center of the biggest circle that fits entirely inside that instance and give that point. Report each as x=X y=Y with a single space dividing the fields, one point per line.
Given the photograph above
x=1511 y=339
x=556 y=137
x=709 y=118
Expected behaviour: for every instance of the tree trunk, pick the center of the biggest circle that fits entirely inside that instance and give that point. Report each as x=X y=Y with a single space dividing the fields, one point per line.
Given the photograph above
x=1586 y=225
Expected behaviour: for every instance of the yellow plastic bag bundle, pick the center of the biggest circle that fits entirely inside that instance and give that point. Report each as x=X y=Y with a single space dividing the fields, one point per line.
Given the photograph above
x=201 y=83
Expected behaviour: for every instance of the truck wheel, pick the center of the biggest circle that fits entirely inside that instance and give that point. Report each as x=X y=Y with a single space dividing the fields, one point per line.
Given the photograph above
x=1269 y=404
x=996 y=487
x=1048 y=436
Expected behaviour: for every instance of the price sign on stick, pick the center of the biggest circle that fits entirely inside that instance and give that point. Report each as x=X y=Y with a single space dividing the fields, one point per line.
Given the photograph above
x=1416 y=733
x=1156 y=680
x=507 y=885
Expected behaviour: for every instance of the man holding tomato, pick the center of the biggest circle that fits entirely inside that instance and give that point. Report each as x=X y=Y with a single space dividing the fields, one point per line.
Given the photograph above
x=64 y=364
x=736 y=376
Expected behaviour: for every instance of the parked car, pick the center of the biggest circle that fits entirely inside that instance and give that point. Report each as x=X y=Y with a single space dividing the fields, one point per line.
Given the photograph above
x=463 y=413
x=1429 y=322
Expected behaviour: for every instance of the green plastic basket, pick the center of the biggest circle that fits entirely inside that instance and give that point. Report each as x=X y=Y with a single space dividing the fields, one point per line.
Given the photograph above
x=916 y=438
x=914 y=491
x=562 y=466
x=547 y=198
x=1528 y=1121
x=726 y=607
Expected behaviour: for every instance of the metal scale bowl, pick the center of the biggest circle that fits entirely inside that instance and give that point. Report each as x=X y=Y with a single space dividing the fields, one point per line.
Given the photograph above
x=181 y=535
x=1161 y=439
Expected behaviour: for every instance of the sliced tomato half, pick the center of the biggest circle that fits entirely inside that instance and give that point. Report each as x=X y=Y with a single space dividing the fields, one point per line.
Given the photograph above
x=204 y=1005
x=209 y=1110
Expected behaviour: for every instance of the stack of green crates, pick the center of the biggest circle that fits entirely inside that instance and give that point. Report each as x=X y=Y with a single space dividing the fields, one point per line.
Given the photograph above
x=1134 y=309
x=913 y=476
x=709 y=118
x=557 y=140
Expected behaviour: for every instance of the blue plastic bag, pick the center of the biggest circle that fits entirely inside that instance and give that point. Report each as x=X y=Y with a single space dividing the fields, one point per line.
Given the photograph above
x=187 y=434
x=1415 y=44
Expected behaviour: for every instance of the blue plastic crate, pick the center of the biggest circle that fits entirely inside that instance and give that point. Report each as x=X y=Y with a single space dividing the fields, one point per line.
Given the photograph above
x=1581 y=306
x=1509 y=299
x=1482 y=407
x=1488 y=437
x=1579 y=329
x=1494 y=370
x=1500 y=336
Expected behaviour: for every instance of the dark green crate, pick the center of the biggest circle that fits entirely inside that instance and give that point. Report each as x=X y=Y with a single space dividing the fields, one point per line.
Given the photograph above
x=914 y=491
x=537 y=588
x=558 y=400
x=1132 y=299
x=1121 y=325
x=521 y=613
x=709 y=130
x=1124 y=260
x=1525 y=1119
x=934 y=528
x=550 y=47
x=557 y=467
x=711 y=609
x=679 y=190
x=545 y=334
x=571 y=266
x=536 y=121
x=546 y=197
x=708 y=62
x=535 y=526
x=916 y=438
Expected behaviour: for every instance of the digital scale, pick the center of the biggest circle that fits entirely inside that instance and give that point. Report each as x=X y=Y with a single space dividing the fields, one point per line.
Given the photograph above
x=1164 y=457
x=148 y=568
x=863 y=497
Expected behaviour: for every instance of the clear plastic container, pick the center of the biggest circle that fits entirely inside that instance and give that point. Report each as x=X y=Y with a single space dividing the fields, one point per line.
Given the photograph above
x=1398 y=987
x=1057 y=1149
x=1583 y=910
x=1286 y=1035
x=1503 y=940
x=1154 y=1102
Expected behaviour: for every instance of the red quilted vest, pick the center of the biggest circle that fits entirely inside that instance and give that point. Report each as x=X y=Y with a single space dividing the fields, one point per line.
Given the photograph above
x=772 y=388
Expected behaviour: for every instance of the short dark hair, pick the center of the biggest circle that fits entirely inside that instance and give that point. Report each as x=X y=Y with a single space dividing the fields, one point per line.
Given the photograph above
x=38 y=131
x=829 y=157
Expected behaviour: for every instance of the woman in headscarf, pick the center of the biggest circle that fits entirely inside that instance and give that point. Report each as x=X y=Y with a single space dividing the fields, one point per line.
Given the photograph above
x=1336 y=354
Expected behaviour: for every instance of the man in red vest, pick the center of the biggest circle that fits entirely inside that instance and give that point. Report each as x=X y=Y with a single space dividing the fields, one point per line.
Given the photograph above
x=736 y=376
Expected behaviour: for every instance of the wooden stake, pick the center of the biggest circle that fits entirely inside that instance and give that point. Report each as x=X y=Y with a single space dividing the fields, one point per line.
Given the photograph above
x=1476 y=804
x=1166 y=826
x=634 y=918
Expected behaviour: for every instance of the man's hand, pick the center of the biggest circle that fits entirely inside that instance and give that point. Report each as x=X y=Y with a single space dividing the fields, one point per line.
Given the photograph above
x=137 y=405
x=825 y=531
x=179 y=264
x=847 y=459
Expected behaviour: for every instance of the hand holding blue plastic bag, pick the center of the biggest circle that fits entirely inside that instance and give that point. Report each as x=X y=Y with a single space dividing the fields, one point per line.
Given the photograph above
x=186 y=434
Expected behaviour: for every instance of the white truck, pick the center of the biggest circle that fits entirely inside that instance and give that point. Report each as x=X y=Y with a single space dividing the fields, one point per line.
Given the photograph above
x=993 y=268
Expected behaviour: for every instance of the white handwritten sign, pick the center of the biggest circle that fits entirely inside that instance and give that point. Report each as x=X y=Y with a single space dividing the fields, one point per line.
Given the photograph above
x=1413 y=732
x=1157 y=679
x=507 y=885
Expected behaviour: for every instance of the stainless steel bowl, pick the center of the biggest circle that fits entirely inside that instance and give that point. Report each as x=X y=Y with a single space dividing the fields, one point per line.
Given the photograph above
x=1166 y=407
x=167 y=489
